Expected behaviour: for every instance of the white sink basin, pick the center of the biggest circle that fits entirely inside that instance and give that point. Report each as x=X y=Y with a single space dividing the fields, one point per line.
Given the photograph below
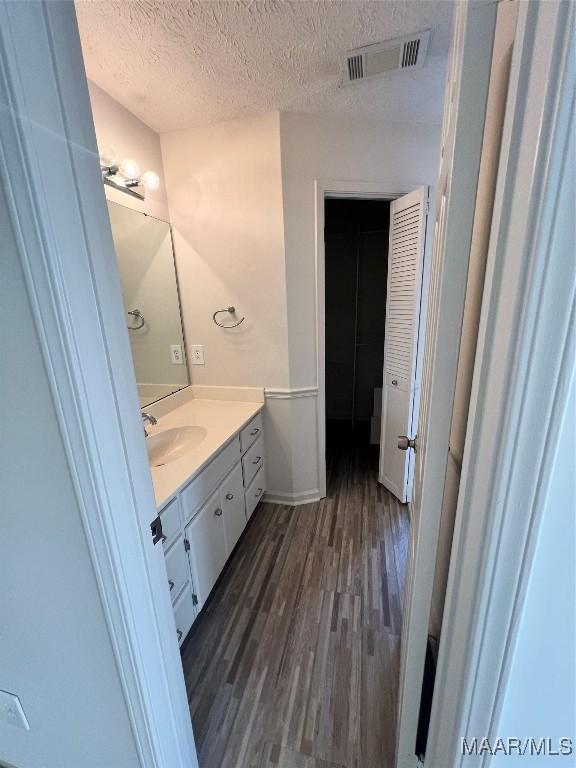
x=172 y=444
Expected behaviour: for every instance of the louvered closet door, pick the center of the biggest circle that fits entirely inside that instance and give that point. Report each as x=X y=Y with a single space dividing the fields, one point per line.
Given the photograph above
x=401 y=358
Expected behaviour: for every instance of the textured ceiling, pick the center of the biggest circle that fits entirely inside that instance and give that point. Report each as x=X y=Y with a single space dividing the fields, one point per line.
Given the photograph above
x=181 y=64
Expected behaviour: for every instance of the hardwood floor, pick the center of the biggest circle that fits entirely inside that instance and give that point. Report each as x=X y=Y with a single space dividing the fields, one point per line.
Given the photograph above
x=294 y=661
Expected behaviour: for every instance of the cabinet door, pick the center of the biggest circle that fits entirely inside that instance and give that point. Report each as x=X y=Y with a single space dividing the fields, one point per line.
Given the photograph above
x=177 y=568
x=171 y=526
x=253 y=460
x=183 y=614
x=255 y=491
x=251 y=432
x=234 y=506
x=207 y=546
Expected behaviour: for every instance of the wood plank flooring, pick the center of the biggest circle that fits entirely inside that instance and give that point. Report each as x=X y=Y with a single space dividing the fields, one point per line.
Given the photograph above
x=294 y=661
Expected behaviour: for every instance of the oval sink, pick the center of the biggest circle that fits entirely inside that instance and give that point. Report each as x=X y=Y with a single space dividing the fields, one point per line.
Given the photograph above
x=172 y=444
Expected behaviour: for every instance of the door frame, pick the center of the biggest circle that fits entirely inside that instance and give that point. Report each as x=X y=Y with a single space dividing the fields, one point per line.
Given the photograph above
x=58 y=211
x=326 y=189
x=462 y=137
x=522 y=375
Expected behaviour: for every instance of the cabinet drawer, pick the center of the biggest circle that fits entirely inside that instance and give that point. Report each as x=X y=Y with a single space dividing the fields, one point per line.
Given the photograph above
x=251 y=432
x=170 y=517
x=253 y=460
x=196 y=493
x=184 y=614
x=207 y=546
x=177 y=567
x=255 y=491
x=234 y=506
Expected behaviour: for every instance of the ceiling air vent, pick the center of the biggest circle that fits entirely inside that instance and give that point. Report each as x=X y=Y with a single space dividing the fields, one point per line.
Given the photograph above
x=355 y=68
x=380 y=59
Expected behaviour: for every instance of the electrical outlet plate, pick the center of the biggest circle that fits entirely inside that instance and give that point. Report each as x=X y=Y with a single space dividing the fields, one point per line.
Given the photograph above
x=197 y=354
x=11 y=711
x=176 y=354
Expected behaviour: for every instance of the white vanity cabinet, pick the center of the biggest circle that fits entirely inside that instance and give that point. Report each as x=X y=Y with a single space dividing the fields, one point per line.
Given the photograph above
x=203 y=522
x=234 y=507
x=207 y=546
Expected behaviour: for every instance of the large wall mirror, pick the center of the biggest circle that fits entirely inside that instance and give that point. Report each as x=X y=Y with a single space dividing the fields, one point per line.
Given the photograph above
x=150 y=289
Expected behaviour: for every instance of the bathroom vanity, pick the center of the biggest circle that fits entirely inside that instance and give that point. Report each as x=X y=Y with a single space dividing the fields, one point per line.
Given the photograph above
x=206 y=453
x=206 y=494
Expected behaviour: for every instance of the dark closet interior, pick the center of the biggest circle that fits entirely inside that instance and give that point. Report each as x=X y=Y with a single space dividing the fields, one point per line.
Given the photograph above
x=356 y=259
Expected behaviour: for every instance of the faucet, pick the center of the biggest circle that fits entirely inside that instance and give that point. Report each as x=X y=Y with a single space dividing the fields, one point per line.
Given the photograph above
x=147 y=417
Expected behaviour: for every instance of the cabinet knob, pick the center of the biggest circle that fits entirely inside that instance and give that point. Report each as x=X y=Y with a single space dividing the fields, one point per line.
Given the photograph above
x=257 y=460
x=218 y=512
x=394 y=382
x=171 y=584
x=254 y=432
x=229 y=496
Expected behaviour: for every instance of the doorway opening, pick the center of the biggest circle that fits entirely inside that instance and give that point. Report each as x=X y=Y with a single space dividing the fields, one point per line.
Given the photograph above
x=371 y=294
x=356 y=236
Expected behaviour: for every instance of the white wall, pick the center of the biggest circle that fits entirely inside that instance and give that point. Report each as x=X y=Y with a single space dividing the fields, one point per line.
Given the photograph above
x=225 y=196
x=241 y=198
x=539 y=697
x=401 y=155
x=55 y=651
x=120 y=130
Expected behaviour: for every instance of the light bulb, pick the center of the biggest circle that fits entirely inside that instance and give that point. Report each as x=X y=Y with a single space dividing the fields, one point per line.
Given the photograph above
x=107 y=157
x=151 y=180
x=129 y=169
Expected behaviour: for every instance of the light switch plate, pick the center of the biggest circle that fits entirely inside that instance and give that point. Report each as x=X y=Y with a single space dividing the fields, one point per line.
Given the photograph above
x=11 y=711
x=197 y=354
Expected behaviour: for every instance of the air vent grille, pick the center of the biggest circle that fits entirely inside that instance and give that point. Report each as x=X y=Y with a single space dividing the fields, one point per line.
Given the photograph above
x=355 y=68
x=381 y=59
x=410 y=53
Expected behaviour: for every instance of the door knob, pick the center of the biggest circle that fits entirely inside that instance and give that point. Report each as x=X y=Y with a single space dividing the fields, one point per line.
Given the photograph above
x=405 y=442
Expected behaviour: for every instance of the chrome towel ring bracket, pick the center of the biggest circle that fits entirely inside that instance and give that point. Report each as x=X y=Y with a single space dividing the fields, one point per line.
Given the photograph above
x=140 y=317
x=232 y=311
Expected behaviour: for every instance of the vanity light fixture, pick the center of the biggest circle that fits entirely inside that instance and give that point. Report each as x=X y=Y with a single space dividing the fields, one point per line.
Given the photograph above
x=126 y=176
x=150 y=180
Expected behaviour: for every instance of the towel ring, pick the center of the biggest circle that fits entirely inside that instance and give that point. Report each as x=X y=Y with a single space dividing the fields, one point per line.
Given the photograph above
x=140 y=316
x=232 y=311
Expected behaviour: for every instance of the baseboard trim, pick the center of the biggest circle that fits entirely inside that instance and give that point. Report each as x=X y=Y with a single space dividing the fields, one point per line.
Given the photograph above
x=292 y=499
x=290 y=394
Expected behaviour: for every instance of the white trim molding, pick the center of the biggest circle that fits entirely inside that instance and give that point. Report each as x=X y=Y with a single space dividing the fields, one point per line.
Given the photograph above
x=524 y=361
x=57 y=208
x=290 y=394
x=467 y=85
x=292 y=499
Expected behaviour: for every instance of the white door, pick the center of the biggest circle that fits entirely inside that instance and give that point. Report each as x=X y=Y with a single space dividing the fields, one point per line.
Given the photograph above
x=462 y=135
x=408 y=216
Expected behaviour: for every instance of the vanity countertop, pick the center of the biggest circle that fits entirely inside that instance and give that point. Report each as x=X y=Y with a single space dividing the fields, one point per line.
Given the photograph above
x=222 y=419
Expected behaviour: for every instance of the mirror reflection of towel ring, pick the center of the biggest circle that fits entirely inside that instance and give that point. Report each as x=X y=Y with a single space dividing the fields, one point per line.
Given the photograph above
x=232 y=311
x=136 y=313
